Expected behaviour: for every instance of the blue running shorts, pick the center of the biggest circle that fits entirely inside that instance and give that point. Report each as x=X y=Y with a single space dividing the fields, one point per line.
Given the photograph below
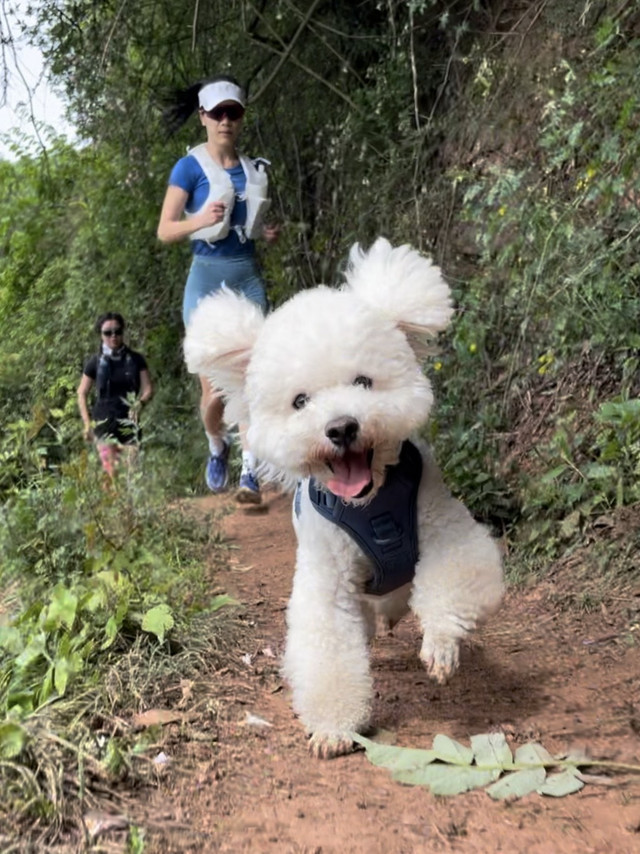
x=208 y=274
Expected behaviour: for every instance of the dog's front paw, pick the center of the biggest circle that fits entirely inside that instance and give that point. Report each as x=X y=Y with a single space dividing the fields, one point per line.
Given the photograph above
x=440 y=658
x=323 y=746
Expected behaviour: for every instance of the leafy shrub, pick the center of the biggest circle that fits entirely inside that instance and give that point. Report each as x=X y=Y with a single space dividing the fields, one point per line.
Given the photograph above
x=94 y=576
x=554 y=281
x=584 y=473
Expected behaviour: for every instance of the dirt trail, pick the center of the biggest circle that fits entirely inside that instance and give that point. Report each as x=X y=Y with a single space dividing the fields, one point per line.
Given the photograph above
x=534 y=672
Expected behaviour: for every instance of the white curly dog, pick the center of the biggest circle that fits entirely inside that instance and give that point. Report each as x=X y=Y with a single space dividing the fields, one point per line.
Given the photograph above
x=332 y=387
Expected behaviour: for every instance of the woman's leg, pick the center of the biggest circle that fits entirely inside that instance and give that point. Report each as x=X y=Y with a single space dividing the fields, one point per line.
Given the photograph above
x=108 y=453
x=248 y=491
x=211 y=409
x=217 y=476
x=212 y=414
x=252 y=287
x=205 y=277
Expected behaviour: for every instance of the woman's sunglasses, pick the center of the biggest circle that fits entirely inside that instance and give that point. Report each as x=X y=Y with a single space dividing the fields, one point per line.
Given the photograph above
x=232 y=111
x=112 y=332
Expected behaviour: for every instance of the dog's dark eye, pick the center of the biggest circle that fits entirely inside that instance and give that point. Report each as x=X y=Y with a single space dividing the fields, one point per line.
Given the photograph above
x=365 y=382
x=300 y=401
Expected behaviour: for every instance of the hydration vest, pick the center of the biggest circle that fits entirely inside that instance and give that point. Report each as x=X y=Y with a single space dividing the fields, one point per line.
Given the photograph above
x=103 y=374
x=386 y=529
x=221 y=188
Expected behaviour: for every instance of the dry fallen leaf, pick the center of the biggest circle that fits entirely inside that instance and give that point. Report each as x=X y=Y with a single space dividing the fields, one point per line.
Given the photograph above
x=186 y=686
x=98 y=823
x=157 y=717
x=243 y=568
x=254 y=720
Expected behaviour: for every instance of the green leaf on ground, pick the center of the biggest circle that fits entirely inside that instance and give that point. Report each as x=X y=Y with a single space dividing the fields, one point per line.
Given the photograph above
x=62 y=609
x=110 y=632
x=61 y=675
x=12 y=739
x=559 y=785
x=32 y=652
x=452 y=751
x=448 y=779
x=491 y=750
x=395 y=758
x=518 y=784
x=158 y=621
x=451 y=768
x=533 y=754
x=221 y=601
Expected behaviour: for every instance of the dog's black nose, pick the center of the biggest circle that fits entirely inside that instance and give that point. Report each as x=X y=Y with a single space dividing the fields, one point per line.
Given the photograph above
x=342 y=431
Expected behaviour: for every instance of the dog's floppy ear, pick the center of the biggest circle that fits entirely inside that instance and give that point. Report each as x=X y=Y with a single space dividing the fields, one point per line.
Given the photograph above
x=404 y=285
x=219 y=340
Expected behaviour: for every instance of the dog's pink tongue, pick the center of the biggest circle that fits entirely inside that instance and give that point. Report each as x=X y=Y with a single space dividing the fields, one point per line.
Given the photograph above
x=350 y=475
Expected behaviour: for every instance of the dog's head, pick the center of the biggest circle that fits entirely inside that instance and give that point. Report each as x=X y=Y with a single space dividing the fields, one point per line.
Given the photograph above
x=331 y=382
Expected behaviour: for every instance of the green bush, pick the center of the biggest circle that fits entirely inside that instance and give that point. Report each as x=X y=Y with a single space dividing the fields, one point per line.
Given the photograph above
x=106 y=603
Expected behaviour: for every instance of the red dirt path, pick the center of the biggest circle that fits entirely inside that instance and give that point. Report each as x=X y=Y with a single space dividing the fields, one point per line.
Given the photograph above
x=564 y=678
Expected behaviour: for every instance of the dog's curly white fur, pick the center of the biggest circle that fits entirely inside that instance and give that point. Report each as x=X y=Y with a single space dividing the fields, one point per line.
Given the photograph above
x=331 y=386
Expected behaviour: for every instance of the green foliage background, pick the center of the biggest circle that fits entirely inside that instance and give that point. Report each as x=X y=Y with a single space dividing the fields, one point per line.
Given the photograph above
x=502 y=139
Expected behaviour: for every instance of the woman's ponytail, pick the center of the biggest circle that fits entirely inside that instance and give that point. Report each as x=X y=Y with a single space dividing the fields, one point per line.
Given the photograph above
x=184 y=102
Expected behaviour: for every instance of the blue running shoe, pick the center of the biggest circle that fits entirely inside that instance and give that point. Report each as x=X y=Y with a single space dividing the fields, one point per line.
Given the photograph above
x=248 y=489
x=217 y=473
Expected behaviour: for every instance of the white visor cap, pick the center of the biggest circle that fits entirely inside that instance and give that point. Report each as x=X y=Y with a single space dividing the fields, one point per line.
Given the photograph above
x=217 y=93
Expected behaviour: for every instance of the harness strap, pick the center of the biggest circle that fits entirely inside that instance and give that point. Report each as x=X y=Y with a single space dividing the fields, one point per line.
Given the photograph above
x=385 y=529
x=104 y=369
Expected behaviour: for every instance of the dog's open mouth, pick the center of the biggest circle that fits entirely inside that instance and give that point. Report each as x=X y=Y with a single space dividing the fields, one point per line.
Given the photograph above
x=352 y=477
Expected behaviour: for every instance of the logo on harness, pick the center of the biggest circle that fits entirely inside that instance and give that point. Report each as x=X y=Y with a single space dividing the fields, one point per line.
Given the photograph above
x=385 y=529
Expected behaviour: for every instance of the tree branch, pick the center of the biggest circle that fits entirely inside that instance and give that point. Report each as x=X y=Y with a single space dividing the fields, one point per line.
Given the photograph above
x=287 y=48
x=286 y=54
x=342 y=59
x=194 y=25
x=111 y=32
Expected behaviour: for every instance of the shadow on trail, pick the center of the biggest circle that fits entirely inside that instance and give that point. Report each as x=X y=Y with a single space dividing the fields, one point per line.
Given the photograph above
x=484 y=694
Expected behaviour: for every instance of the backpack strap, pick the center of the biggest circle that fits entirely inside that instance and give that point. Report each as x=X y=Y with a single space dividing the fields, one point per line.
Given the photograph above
x=103 y=372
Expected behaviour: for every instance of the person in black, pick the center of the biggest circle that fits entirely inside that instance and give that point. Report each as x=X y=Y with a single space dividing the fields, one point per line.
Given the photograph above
x=118 y=373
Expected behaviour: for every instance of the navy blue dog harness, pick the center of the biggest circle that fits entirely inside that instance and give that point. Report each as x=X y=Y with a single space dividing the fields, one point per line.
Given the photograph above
x=386 y=528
